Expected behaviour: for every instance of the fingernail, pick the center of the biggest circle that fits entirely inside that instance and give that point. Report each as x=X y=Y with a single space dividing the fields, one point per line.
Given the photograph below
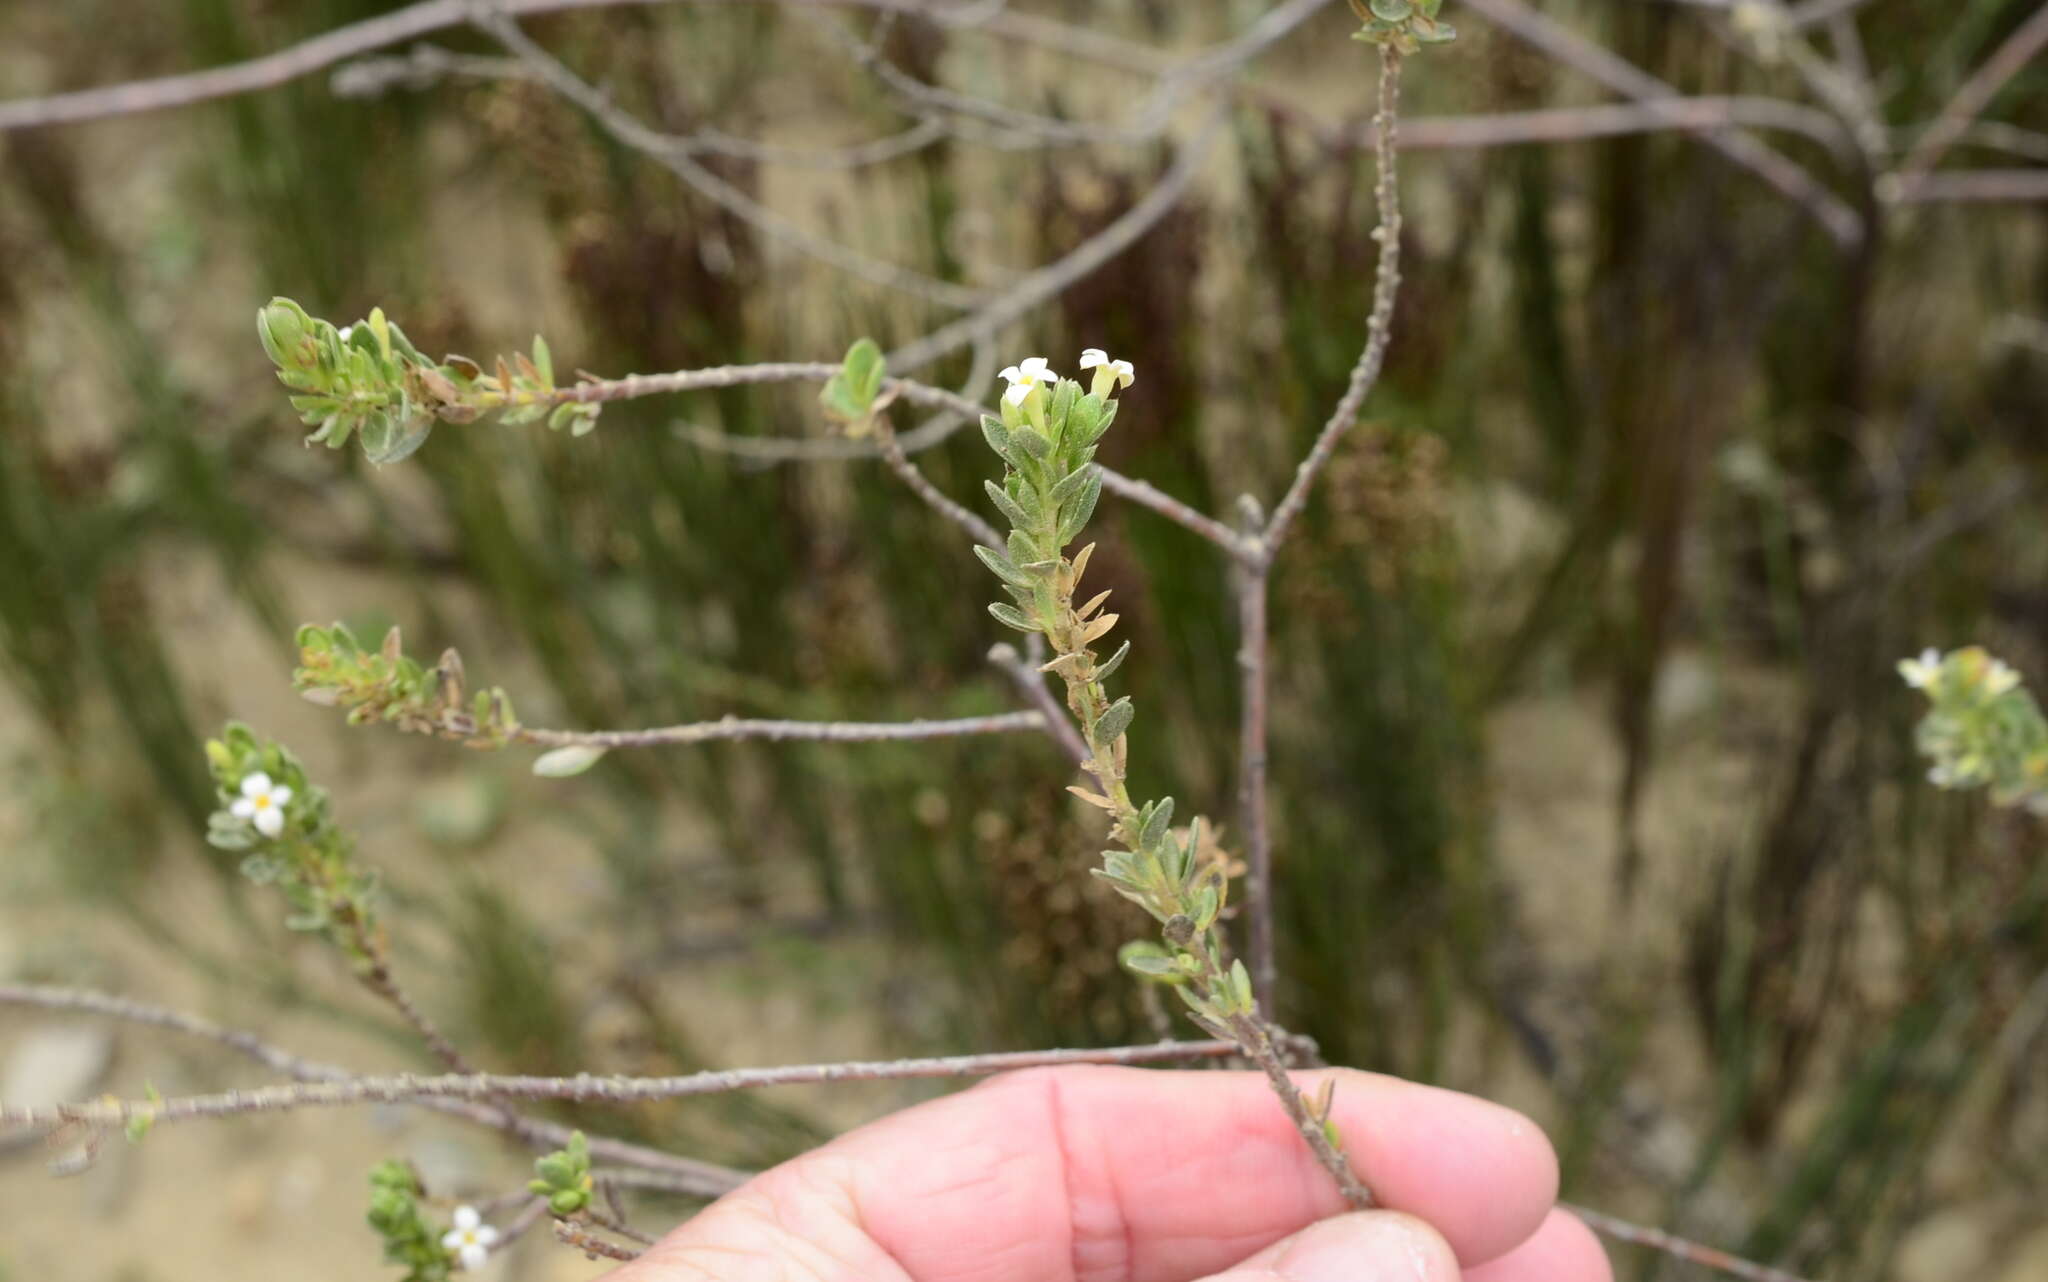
x=1369 y=1246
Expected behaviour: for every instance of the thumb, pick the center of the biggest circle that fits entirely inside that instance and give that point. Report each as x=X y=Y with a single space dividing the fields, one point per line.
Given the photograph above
x=1365 y=1246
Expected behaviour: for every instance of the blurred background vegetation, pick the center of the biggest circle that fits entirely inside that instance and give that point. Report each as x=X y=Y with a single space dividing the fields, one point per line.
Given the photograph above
x=1594 y=786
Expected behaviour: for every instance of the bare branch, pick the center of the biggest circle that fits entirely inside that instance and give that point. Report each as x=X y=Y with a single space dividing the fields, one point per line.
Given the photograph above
x=635 y=134
x=1678 y=1247
x=679 y=1174
x=637 y=385
x=1252 y=589
x=425 y=65
x=1606 y=120
x=1057 y=721
x=353 y=40
x=1055 y=277
x=783 y=731
x=592 y=1246
x=2028 y=39
x=1145 y=494
x=408 y=1087
x=1973 y=186
x=1622 y=76
x=920 y=484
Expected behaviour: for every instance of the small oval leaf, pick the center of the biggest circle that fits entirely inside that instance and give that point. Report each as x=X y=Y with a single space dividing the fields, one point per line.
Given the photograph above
x=562 y=763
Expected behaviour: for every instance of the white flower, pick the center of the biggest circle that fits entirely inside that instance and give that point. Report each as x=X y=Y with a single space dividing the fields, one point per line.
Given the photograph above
x=1921 y=673
x=344 y=332
x=262 y=803
x=2000 y=678
x=1122 y=372
x=471 y=1240
x=1024 y=378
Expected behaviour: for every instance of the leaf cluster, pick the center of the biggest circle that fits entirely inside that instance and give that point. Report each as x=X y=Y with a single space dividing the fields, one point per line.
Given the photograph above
x=1405 y=25
x=369 y=382
x=852 y=397
x=1982 y=729
x=385 y=685
x=410 y=1241
x=563 y=1177
x=312 y=859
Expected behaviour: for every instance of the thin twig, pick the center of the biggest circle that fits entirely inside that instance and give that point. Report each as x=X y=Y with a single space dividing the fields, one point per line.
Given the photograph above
x=684 y=1175
x=1617 y=73
x=405 y=1087
x=529 y=1215
x=1379 y=325
x=1058 y=722
x=635 y=134
x=1054 y=278
x=646 y=1168
x=1145 y=494
x=592 y=1246
x=2010 y=186
x=632 y=386
x=782 y=731
x=1606 y=120
x=920 y=484
x=324 y=50
x=2019 y=48
x=616 y=1221
x=1251 y=583
x=1678 y=1247
x=1255 y=1038
x=425 y=65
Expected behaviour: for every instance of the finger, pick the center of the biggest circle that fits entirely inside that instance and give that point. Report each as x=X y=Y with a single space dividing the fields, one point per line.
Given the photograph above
x=1562 y=1250
x=1365 y=1246
x=1126 y=1175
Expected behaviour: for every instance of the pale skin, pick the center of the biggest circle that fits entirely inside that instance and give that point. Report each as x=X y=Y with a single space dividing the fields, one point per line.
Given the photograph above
x=1093 y=1174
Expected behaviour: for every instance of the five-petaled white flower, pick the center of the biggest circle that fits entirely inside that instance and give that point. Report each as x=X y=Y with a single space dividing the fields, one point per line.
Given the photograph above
x=262 y=803
x=1024 y=378
x=471 y=1240
x=1921 y=673
x=1122 y=372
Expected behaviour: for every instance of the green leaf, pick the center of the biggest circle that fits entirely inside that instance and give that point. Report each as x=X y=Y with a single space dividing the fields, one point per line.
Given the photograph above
x=1082 y=508
x=1061 y=406
x=1005 y=571
x=1110 y=726
x=1011 y=617
x=1024 y=550
x=543 y=361
x=864 y=368
x=1069 y=485
x=839 y=402
x=1156 y=824
x=563 y=763
x=1115 y=661
x=1241 y=984
x=1010 y=508
x=1144 y=958
x=997 y=436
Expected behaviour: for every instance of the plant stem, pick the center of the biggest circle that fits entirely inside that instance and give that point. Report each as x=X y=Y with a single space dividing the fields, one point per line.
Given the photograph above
x=1252 y=649
x=1379 y=324
x=406 y=1087
x=1255 y=1036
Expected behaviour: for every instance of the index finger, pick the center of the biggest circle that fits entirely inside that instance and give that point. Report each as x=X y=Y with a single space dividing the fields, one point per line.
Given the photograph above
x=1098 y=1174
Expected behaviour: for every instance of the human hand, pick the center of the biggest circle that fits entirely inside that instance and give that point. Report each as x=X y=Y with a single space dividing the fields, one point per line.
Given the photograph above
x=1123 y=1175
